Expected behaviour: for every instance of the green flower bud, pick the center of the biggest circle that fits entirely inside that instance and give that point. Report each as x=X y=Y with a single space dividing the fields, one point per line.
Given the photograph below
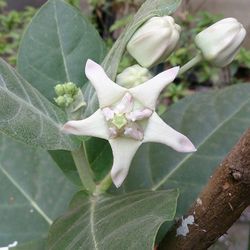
x=133 y=76
x=59 y=89
x=70 y=88
x=152 y=43
x=68 y=100
x=220 y=42
x=60 y=101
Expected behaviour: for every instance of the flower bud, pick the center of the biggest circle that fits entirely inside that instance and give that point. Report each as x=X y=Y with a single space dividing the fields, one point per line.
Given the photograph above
x=70 y=88
x=68 y=100
x=60 y=101
x=220 y=42
x=59 y=89
x=133 y=76
x=69 y=96
x=154 y=41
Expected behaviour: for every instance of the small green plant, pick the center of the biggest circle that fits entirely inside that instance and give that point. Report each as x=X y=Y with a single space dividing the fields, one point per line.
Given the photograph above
x=176 y=92
x=75 y=3
x=12 y=24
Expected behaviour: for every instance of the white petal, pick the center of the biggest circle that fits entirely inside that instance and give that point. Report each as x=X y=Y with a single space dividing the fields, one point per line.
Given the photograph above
x=125 y=105
x=107 y=91
x=158 y=131
x=148 y=92
x=95 y=125
x=123 y=152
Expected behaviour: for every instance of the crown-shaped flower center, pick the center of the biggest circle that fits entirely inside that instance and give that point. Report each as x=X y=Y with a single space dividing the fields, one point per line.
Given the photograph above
x=125 y=118
x=119 y=120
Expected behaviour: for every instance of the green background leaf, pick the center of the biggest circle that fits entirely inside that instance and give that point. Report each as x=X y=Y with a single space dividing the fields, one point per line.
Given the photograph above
x=32 y=245
x=129 y=221
x=33 y=192
x=29 y=117
x=214 y=122
x=100 y=157
x=66 y=163
x=56 y=46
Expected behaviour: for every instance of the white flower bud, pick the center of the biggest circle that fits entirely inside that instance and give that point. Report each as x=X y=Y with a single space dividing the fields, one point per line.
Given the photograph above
x=220 y=42
x=154 y=41
x=133 y=76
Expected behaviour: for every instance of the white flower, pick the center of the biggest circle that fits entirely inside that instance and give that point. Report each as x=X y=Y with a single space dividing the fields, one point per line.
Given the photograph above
x=154 y=41
x=127 y=118
x=220 y=42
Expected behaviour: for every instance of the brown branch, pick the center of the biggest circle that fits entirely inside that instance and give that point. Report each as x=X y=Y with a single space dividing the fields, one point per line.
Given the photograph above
x=219 y=205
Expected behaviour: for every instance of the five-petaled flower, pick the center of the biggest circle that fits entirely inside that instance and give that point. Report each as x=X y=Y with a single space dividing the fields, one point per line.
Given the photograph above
x=127 y=118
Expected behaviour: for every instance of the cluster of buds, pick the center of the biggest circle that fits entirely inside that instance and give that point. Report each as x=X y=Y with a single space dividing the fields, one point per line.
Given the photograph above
x=66 y=94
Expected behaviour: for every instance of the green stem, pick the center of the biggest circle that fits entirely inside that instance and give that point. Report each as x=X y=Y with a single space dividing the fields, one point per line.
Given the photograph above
x=104 y=185
x=84 y=169
x=190 y=64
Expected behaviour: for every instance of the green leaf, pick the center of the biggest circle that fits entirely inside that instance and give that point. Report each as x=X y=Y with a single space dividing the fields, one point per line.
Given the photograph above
x=55 y=47
x=32 y=245
x=214 y=122
x=29 y=117
x=113 y=58
x=129 y=221
x=100 y=157
x=65 y=161
x=33 y=192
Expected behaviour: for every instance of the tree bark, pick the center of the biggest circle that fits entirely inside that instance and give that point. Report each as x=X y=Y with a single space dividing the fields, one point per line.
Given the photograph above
x=218 y=206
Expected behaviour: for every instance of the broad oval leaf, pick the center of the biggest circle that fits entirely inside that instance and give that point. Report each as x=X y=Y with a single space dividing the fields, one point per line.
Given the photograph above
x=28 y=116
x=65 y=161
x=55 y=47
x=33 y=192
x=214 y=121
x=129 y=221
x=31 y=245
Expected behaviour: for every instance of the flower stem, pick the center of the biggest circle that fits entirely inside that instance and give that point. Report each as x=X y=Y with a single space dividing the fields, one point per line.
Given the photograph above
x=84 y=169
x=104 y=185
x=190 y=64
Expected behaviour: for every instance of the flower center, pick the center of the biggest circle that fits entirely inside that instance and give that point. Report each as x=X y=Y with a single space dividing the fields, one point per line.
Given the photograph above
x=119 y=120
x=125 y=118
